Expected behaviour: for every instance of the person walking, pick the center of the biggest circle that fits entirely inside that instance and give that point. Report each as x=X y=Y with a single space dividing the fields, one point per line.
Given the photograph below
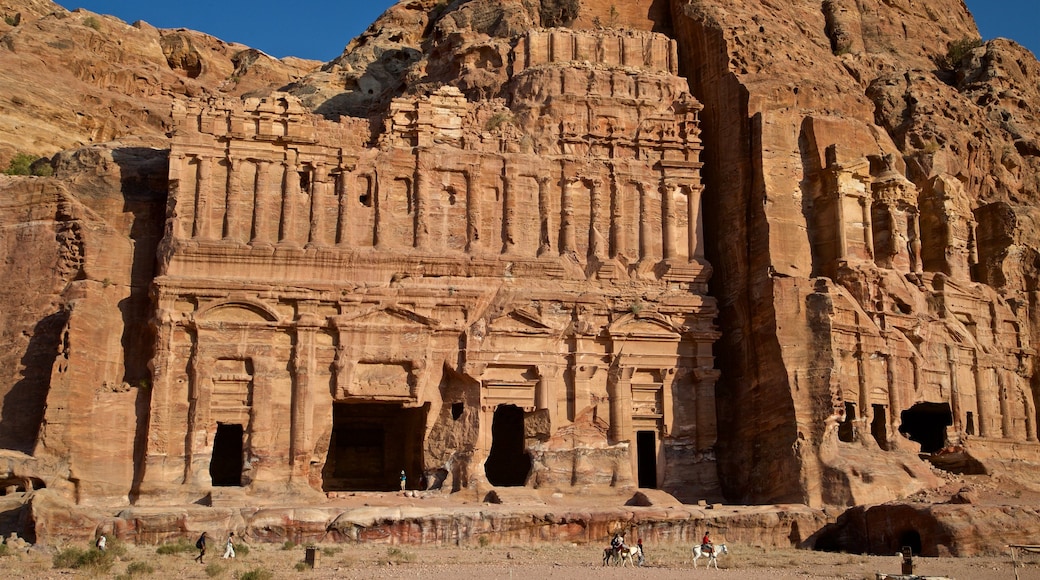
x=404 y=479
x=639 y=544
x=229 y=551
x=201 y=545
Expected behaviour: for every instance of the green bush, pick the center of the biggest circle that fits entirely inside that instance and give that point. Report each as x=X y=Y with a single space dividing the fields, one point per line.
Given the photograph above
x=957 y=50
x=241 y=550
x=92 y=22
x=93 y=560
x=255 y=574
x=4 y=550
x=22 y=164
x=139 y=568
x=288 y=545
x=213 y=570
x=180 y=546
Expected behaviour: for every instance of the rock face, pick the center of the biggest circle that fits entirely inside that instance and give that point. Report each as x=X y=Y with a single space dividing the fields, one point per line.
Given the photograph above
x=76 y=78
x=776 y=254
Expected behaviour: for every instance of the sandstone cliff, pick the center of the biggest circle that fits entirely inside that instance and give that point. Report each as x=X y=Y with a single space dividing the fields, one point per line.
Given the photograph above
x=73 y=78
x=870 y=179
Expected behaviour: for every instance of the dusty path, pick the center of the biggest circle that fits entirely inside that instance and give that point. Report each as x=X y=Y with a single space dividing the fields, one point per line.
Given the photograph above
x=521 y=563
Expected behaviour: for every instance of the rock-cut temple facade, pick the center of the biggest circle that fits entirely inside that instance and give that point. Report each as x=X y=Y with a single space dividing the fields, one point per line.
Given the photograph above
x=507 y=292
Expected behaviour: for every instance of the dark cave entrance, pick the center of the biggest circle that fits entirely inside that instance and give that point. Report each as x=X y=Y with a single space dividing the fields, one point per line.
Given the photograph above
x=926 y=423
x=646 y=458
x=508 y=463
x=371 y=444
x=225 y=467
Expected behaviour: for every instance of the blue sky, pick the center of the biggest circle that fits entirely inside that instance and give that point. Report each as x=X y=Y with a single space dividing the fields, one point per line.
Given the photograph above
x=320 y=30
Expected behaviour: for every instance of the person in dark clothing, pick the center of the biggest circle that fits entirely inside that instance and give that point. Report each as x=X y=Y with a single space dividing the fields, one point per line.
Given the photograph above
x=201 y=545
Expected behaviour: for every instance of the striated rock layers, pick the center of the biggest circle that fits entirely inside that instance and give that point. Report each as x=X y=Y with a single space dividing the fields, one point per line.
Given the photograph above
x=772 y=253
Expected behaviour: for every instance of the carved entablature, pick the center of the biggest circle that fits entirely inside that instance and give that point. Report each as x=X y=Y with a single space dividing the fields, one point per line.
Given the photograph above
x=381 y=355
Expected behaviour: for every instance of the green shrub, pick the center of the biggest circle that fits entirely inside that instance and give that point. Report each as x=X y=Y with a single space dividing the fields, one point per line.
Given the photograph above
x=4 y=550
x=957 y=50
x=93 y=560
x=11 y=20
x=331 y=551
x=398 y=556
x=288 y=545
x=139 y=568
x=255 y=574
x=302 y=566
x=241 y=550
x=213 y=570
x=22 y=164
x=92 y=22
x=178 y=547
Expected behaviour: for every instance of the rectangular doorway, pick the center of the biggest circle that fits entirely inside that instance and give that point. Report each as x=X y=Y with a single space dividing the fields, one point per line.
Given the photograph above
x=372 y=443
x=646 y=458
x=225 y=467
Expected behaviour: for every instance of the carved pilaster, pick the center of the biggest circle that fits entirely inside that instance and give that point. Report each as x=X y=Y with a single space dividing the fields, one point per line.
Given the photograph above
x=668 y=193
x=568 y=239
x=597 y=251
x=545 y=213
x=474 y=215
x=203 y=189
x=262 y=204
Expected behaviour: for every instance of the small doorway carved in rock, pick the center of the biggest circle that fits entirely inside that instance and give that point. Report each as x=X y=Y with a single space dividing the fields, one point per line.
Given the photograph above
x=646 y=458
x=879 y=427
x=926 y=423
x=225 y=467
x=508 y=463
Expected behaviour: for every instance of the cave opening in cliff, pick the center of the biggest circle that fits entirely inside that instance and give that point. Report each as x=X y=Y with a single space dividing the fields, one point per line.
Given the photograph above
x=926 y=423
x=508 y=463
x=646 y=458
x=371 y=444
x=846 y=431
x=225 y=467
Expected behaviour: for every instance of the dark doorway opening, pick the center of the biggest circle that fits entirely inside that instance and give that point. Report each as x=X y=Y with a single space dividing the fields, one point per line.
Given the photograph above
x=371 y=444
x=926 y=424
x=225 y=467
x=846 y=432
x=879 y=426
x=969 y=423
x=912 y=540
x=646 y=458
x=508 y=463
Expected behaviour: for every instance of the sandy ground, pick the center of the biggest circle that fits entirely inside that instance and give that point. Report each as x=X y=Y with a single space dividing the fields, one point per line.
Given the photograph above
x=564 y=562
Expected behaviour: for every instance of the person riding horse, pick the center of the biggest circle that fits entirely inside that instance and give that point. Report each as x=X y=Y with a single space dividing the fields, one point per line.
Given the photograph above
x=706 y=544
x=617 y=543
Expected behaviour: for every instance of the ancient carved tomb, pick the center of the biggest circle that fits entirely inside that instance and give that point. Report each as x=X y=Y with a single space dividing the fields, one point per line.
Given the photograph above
x=503 y=292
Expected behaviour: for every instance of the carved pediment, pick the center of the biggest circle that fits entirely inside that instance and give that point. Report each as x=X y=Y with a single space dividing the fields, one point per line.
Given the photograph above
x=238 y=311
x=650 y=327
x=519 y=321
x=392 y=317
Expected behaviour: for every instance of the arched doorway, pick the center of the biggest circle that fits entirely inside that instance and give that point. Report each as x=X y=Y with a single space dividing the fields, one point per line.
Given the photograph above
x=508 y=463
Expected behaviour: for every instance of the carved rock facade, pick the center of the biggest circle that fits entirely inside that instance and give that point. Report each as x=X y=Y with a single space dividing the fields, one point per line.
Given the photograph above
x=488 y=294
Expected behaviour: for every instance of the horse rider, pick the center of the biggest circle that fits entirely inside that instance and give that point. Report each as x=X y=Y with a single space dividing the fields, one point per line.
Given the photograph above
x=617 y=543
x=706 y=546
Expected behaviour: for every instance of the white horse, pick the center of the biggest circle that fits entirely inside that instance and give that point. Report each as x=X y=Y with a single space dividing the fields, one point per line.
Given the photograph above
x=623 y=557
x=699 y=552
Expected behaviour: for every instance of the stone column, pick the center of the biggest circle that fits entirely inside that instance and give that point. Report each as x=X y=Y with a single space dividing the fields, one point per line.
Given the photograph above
x=617 y=220
x=202 y=194
x=668 y=193
x=1005 y=394
x=318 y=181
x=955 y=394
x=545 y=213
x=474 y=215
x=158 y=462
x=508 y=215
x=422 y=202
x=261 y=203
x=596 y=249
x=343 y=237
x=843 y=241
x=235 y=206
x=290 y=191
x=981 y=397
x=913 y=227
x=646 y=230
x=619 y=389
x=695 y=227
x=868 y=226
x=302 y=405
x=568 y=240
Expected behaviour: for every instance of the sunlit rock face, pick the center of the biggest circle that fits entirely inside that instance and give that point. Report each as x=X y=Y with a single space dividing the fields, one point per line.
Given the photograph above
x=767 y=254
